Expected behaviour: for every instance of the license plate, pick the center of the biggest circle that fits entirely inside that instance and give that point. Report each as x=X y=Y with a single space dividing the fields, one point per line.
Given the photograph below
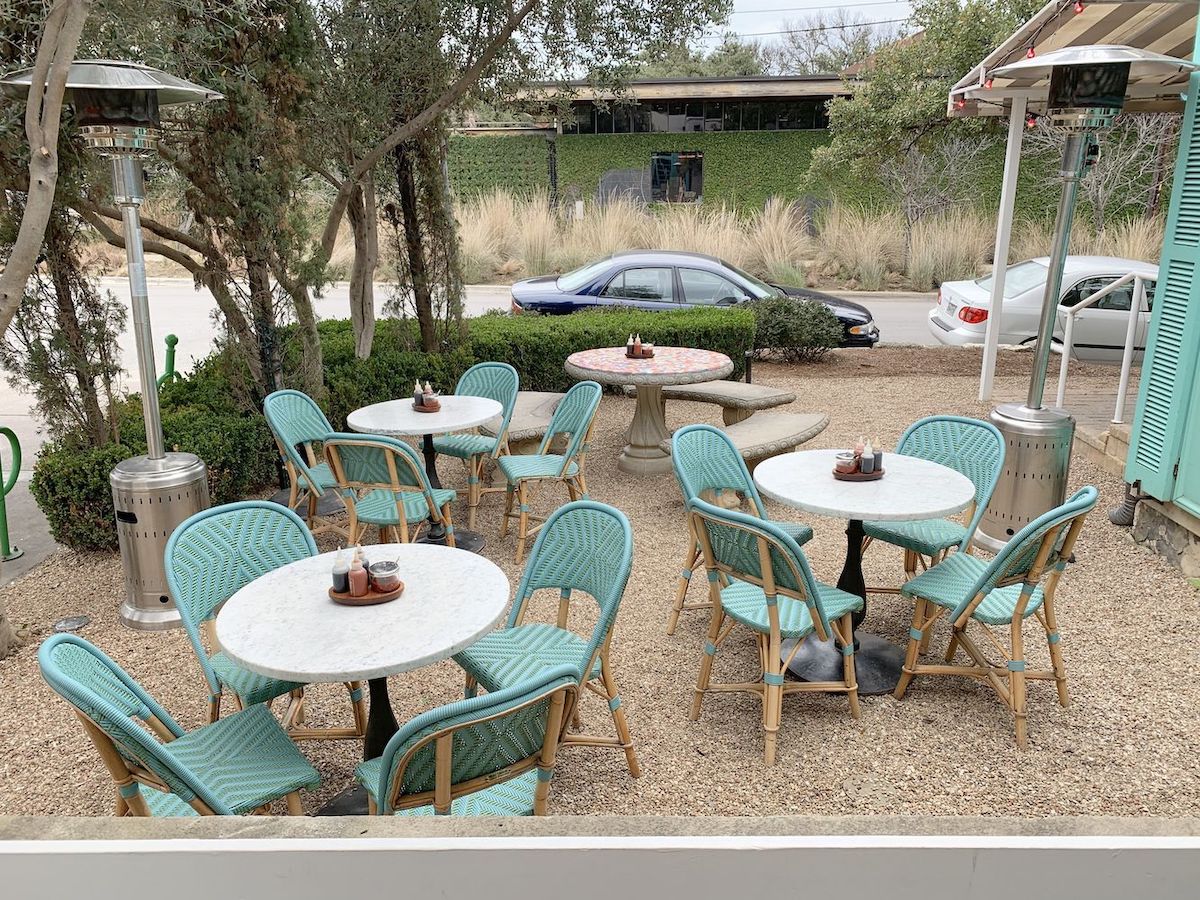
x=951 y=309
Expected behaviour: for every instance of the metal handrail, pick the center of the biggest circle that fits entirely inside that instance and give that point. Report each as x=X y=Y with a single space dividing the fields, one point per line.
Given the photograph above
x=8 y=552
x=1068 y=342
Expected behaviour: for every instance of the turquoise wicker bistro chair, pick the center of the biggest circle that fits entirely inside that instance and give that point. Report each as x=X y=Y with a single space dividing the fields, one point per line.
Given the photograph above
x=1018 y=583
x=585 y=547
x=573 y=421
x=383 y=483
x=495 y=381
x=708 y=466
x=770 y=590
x=234 y=766
x=299 y=427
x=491 y=755
x=208 y=559
x=970 y=447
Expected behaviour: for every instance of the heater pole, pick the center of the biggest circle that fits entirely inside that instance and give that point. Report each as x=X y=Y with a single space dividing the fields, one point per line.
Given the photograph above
x=128 y=193
x=1072 y=168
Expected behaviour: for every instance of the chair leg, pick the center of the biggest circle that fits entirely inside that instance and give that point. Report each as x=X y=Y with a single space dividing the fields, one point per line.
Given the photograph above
x=214 y=708
x=1016 y=684
x=474 y=468
x=690 y=557
x=772 y=698
x=618 y=716
x=449 y=526
x=294 y=806
x=312 y=509
x=358 y=705
x=849 y=672
x=508 y=505
x=1056 y=659
x=914 y=649
x=523 y=520
x=471 y=688
x=706 y=661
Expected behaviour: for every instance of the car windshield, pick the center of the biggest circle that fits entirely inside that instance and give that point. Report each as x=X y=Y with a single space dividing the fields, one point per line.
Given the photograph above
x=758 y=288
x=573 y=281
x=1019 y=278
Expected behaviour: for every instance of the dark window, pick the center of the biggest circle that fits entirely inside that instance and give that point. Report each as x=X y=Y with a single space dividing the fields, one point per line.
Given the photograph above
x=751 y=116
x=709 y=289
x=733 y=115
x=712 y=116
x=797 y=116
x=604 y=120
x=678 y=116
x=585 y=122
x=770 y=115
x=677 y=177
x=659 y=119
x=641 y=284
x=693 y=116
x=821 y=119
x=631 y=118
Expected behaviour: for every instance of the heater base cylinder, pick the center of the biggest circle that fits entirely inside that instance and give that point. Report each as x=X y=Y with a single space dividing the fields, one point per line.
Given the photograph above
x=151 y=497
x=1037 y=460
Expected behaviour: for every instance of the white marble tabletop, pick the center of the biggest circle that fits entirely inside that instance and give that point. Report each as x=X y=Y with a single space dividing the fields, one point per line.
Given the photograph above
x=397 y=417
x=911 y=488
x=283 y=624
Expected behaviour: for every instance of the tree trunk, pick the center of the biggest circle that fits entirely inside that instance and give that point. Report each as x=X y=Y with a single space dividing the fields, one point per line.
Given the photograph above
x=418 y=271
x=262 y=310
x=312 y=369
x=365 y=229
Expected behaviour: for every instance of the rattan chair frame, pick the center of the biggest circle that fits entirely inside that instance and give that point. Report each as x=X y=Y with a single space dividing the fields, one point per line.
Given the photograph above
x=398 y=456
x=1009 y=677
x=770 y=686
x=299 y=460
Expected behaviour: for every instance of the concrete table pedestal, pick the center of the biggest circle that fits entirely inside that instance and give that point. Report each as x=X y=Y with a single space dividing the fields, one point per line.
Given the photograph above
x=645 y=453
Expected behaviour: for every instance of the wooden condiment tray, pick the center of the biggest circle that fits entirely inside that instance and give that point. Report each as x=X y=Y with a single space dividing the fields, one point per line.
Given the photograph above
x=371 y=598
x=859 y=476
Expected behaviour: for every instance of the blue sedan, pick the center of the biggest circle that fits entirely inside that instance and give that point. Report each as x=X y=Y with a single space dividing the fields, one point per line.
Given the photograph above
x=652 y=279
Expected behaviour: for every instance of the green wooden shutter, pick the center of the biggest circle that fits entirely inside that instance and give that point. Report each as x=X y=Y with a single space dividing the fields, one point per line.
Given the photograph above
x=1171 y=348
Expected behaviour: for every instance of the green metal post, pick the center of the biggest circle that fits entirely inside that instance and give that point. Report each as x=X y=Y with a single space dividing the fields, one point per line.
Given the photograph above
x=169 y=369
x=6 y=551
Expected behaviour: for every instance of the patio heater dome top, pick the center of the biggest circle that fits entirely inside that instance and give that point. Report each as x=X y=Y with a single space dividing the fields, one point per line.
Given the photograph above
x=117 y=75
x=117 y=102
x=1143 y=63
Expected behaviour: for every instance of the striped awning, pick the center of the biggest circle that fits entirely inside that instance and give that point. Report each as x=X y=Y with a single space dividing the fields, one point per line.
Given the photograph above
x=1168 y=28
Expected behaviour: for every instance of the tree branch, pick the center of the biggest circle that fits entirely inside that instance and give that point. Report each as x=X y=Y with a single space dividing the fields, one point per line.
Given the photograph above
x=117 y=239
x=166 y=232
x=420 y=121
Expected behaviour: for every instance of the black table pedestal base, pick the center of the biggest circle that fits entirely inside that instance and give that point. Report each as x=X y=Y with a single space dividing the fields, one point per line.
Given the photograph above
x=464 y=539
x=877 y=662
x=381 y=725
x=350 y=802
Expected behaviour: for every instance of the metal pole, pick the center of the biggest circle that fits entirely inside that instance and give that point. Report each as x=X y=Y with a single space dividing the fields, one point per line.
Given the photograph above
x=1072 y=167
x=1068 y=342
x=128 y=194
x=1004 y=223
x=1135 y=311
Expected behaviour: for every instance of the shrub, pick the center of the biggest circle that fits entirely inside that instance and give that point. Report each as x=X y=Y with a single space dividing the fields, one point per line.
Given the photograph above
x=70 y=485
x=794 y=330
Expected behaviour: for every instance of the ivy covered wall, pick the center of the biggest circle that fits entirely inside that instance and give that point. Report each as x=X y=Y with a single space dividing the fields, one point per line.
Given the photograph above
x=478 y=165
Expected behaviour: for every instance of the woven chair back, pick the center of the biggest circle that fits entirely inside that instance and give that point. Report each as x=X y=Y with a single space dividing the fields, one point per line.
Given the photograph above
x=758 y=552
x=216 y=552
x=970 y=447
x=488 y=738
x=584 y=546
x=297 y=422
x=110 y=699
x=705 y=459
x=1040 y=548
x=573 y=418
x=495 y=381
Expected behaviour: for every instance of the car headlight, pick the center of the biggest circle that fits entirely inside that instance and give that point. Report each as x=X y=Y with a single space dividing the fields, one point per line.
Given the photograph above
x=865 y=328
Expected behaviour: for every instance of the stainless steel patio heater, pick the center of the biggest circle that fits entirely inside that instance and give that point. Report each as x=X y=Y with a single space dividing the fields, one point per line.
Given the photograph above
x=117 y=107
x=1086 y=93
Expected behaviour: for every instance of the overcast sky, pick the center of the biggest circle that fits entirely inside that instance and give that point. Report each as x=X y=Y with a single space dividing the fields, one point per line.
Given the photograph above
x=762 y=20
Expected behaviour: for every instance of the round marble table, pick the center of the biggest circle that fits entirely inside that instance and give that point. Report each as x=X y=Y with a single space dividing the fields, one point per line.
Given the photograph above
x=397 y=418
x=283 y=624
x=645 y=453
x=912 y=488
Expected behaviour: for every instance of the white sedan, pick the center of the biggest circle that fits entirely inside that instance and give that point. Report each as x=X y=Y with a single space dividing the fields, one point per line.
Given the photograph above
x=961 y=314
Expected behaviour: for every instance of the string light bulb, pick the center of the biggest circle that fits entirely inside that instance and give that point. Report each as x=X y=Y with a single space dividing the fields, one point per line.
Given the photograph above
x=960 y=103
x=1030 y=120
x=989 y=82
x=1030 y=53
x=1080 y=6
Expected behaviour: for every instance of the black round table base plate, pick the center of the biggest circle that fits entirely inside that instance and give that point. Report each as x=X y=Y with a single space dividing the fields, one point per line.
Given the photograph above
x=464 y=539
x=350 y=802
x=877 y=662
x=329 y=504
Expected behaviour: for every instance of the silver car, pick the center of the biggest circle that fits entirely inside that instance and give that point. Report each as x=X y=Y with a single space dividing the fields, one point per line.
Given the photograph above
x=962 y=310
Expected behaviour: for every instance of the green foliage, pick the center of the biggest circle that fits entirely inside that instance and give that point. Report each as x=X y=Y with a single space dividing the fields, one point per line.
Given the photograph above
x=537 y=346
x=70 y=484
x=481 y=164
x=794 y=330
x=732 y=58
x=742 y=169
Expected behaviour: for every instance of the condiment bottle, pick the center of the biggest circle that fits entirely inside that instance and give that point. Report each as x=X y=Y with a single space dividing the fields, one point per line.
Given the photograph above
x=341 y=573
x=357 y=578
x=418 y=397
x=637 y=345
x=629 y=344
x=878 y=456
x=860 y=446
x=428 y=389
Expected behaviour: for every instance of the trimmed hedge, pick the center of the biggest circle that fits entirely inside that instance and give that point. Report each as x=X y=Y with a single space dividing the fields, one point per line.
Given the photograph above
x=794 y=330
x=201 y=415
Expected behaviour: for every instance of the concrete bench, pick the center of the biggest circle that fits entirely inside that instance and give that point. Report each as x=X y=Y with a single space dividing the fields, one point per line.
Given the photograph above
x=770 y=434
x=738 y=400
x=530 y=419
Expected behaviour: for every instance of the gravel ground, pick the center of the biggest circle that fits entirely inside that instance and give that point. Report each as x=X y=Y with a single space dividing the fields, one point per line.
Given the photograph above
x=1127 y=745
